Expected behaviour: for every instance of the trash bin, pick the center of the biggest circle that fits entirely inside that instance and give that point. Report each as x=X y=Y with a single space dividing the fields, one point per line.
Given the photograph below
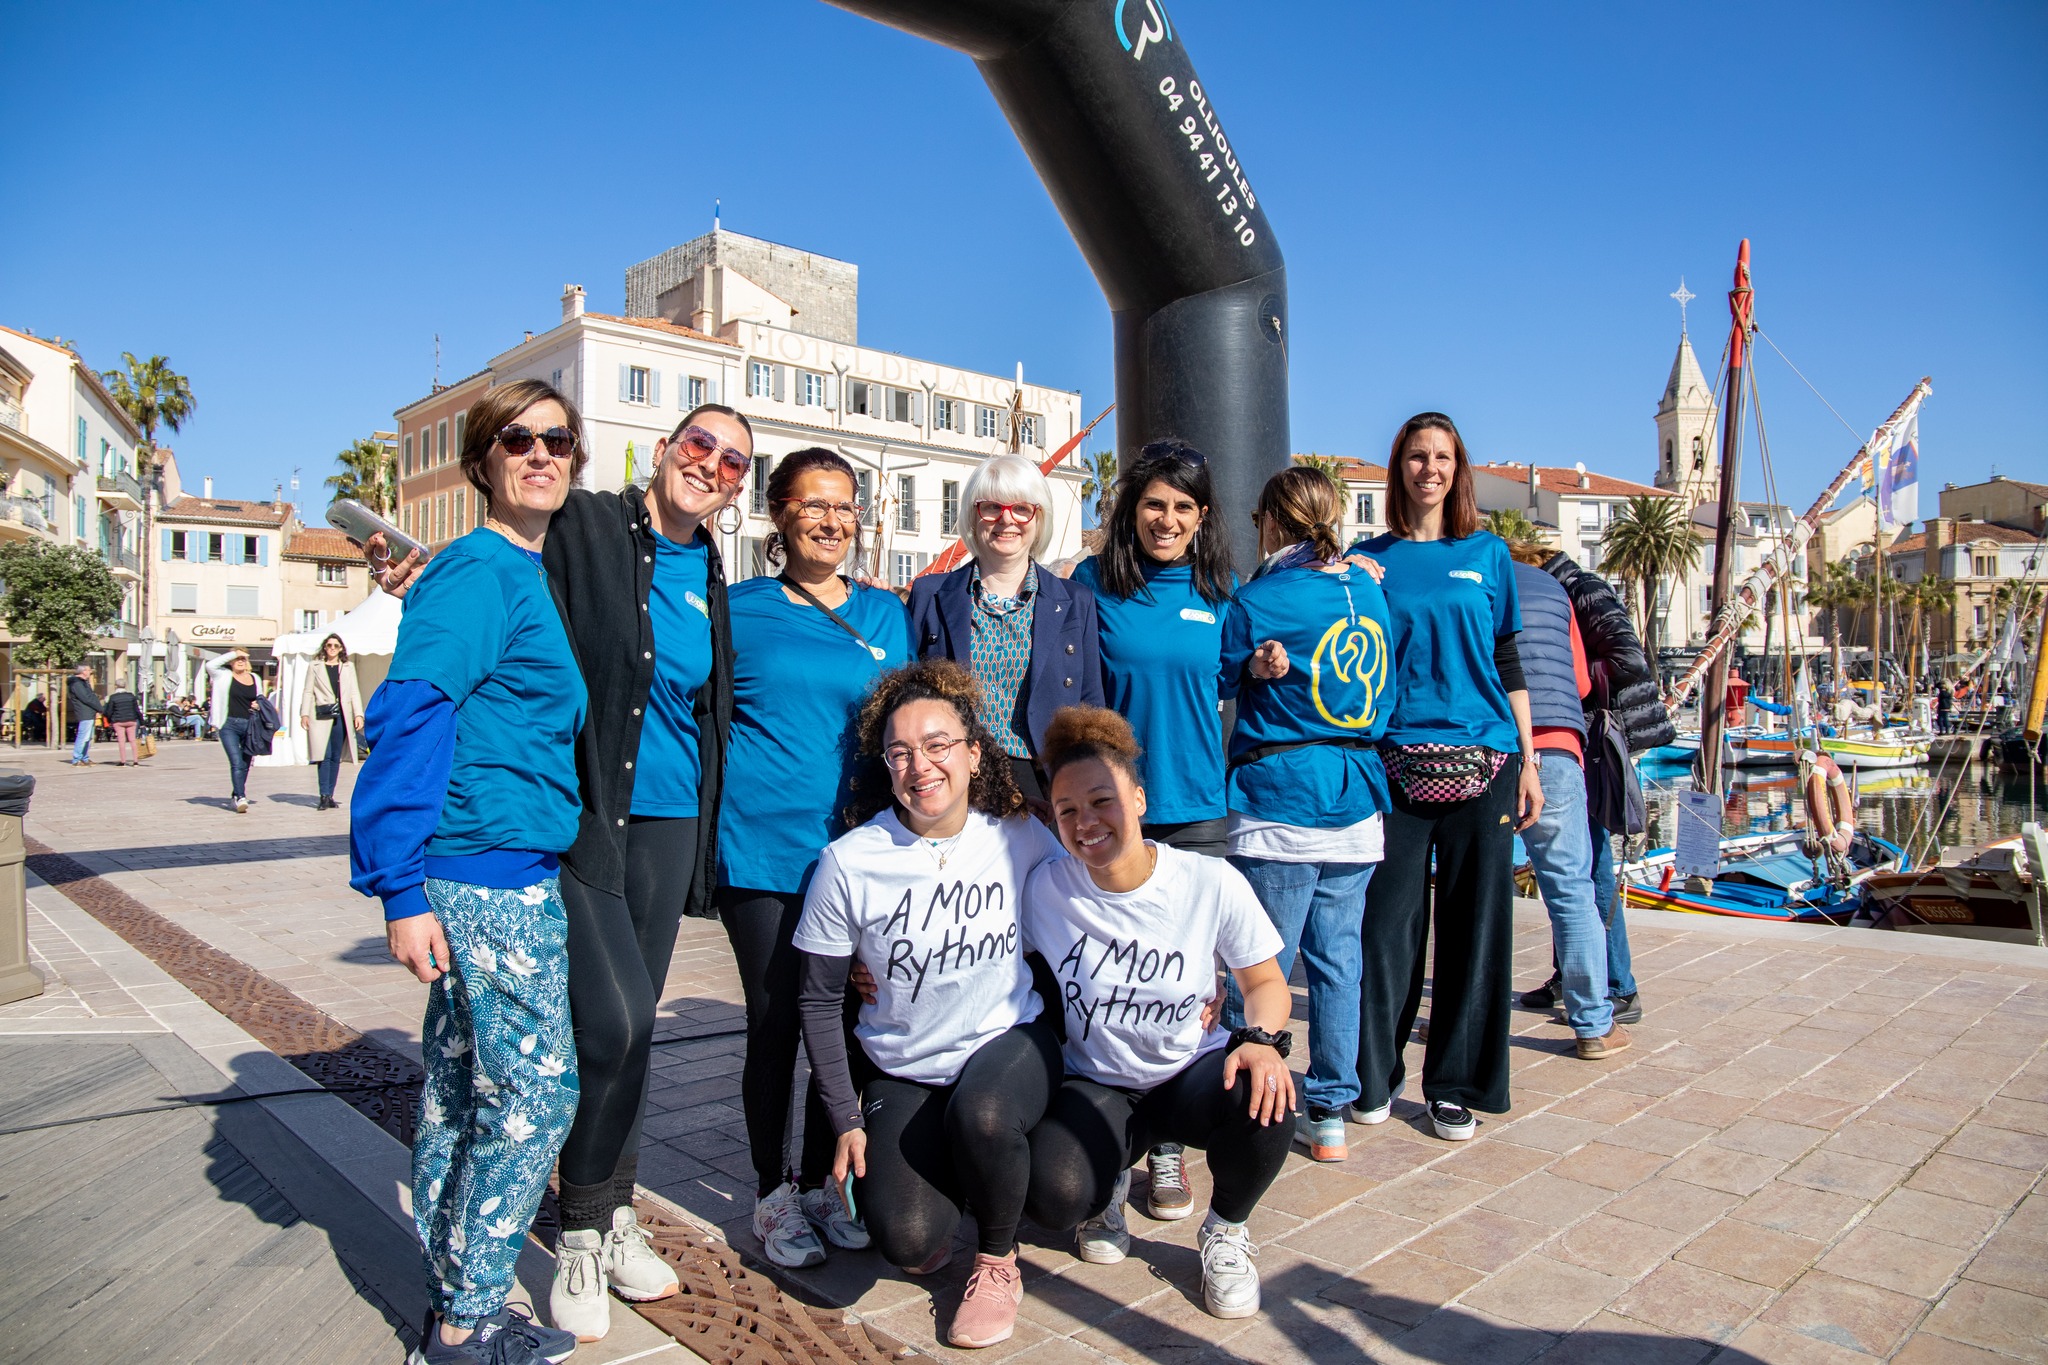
x=18 y=980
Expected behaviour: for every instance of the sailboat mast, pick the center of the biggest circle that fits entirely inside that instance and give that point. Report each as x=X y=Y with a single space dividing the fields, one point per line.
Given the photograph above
x=1714 y=701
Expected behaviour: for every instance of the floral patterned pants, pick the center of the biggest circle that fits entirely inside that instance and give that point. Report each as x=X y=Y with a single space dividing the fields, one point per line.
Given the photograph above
x=500 y=1092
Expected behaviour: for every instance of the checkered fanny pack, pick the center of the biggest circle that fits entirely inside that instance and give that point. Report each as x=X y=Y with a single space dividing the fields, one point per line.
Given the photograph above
x=1428 y=773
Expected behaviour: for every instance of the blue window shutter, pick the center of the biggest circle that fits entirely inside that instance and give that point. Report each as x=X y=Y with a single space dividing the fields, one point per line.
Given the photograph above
x=711 y=391
x=81 y=441
x=654 y=388
x=167 y=547
x=231 y=549
x=263 y=550
x=683 y=392
x=624 y=381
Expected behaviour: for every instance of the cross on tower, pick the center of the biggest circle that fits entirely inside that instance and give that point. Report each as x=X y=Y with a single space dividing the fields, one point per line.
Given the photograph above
x=1684 y=296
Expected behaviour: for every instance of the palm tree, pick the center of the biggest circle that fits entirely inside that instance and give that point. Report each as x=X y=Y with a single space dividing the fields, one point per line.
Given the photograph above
x=152 y=394
x=1101 y=480
x=1512 y=524
x=369 y=474
x=1927 y=597
x=1330 y=467
x=1833 y=588
x=1650 y=539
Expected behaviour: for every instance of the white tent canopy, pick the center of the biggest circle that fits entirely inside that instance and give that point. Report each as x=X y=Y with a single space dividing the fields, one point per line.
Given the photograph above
x=370 y=630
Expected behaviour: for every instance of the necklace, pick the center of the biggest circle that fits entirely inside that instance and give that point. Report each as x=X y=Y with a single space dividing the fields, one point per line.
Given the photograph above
x=942 y=849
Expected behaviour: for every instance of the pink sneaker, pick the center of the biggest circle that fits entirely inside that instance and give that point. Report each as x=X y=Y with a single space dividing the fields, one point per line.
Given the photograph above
x=988 y=1314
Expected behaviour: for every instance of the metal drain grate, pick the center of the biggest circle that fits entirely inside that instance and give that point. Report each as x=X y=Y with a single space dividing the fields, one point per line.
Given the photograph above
x=727 y=1313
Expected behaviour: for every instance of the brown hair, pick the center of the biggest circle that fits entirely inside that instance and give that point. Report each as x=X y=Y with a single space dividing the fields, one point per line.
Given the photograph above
x=490 y=414
x=1304 y=504
x=722 y=410
x=320 y=656
x=1078 y=733
x=1529 y=551
x=782 y=485
x=992 y=790
x=1461 y=508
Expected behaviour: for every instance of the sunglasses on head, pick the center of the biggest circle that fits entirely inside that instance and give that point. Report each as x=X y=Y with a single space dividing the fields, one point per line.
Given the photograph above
x=702 y=445
x=518 y=439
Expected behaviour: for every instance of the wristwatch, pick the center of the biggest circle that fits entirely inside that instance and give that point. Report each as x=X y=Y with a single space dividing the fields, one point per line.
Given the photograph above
x=1281 y=1042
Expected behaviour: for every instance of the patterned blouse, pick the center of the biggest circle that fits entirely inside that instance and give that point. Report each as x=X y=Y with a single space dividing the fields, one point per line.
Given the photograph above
x=1001 y=655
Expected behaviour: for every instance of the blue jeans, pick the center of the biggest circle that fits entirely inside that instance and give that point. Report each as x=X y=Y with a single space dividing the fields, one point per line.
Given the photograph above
x=1318 y=908
x=234 y=736
x=81 y=741
x=1621 y=979
x=1560 y=849
x=501 y=1088
x=330 y=762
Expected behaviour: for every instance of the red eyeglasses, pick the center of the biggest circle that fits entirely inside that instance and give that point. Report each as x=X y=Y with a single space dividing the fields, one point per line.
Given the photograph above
x=702 y=445
x=1023 y=513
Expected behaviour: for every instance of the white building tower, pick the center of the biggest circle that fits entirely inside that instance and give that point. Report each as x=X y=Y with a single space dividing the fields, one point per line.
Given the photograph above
x=1688 y=459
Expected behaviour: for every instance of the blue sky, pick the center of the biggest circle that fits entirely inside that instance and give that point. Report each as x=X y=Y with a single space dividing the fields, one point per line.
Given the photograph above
x=1483 y=207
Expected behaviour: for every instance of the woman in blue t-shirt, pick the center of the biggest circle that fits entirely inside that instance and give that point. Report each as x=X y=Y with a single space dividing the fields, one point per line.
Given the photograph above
x=807 y=643
x=1161 y=581
x=458 y=824
x=1461 y=759
x=1307 y=789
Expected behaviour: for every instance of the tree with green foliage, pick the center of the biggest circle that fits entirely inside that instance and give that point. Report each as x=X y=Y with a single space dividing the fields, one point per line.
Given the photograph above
x=1834 y=587
x=1511 y=524
x=368 y=472
x=1100 y=484
x=1330 y=467
x=57 y=598
x=1650 y=539
x=153 y=395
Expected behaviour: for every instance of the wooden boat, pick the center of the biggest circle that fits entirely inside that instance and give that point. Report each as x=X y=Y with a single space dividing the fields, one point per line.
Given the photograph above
x=1763 y=876
x=1897 y=749
x=1990 y=892
x=1680 y=750
x=1957 y=748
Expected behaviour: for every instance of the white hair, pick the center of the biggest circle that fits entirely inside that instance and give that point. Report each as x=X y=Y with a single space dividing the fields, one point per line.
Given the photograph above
x=1008 y=478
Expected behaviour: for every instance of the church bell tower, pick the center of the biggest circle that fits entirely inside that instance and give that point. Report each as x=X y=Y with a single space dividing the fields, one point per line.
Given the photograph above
x=1688 y=459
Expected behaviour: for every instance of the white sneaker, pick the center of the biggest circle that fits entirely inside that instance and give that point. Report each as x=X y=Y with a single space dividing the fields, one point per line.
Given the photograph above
x=635 y=1272
x=1373 y=1116
x=1230 y=1282
x=1105 y=1239
x=828 y=1216
x=786 y=1235
x=578 y=1302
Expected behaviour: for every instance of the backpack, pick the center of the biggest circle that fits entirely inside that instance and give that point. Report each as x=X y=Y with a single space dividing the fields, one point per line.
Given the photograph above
x=1614 y=792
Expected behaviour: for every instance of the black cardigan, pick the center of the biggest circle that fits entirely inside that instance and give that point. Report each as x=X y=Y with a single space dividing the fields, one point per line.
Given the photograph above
x=600 y=562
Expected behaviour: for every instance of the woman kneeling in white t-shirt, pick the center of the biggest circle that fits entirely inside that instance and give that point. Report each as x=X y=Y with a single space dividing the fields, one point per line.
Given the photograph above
x=1132 y=930
x=955 y=1063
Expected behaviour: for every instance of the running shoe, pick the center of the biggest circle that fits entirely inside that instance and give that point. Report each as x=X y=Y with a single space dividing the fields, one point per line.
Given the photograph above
x=1169 y=1198
x=787 y=1237
x=829 y=1217
x=1105 y=1239
x=577 y=1303
x=631 y=1266
x=1322 y=1132
x=1230 y=1282
x=988 y=1313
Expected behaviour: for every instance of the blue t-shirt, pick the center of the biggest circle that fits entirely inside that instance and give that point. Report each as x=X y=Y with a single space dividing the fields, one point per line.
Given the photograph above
x=481 y=626
x=1450 y=600
x=1339 y=684
x=798 y=681
x=1162 y=652
x=666 y=772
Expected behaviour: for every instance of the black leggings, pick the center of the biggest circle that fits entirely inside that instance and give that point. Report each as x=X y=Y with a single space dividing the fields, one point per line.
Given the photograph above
x=1471 y=901
x=760 y=925
x=1092 y=1131
x=934 y=1149
x=619 y=951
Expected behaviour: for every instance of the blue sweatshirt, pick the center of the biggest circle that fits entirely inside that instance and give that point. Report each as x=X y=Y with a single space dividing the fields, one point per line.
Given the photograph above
x=1339 y=685
x=1162 y=652
x=472 y=768
x=1449 y=600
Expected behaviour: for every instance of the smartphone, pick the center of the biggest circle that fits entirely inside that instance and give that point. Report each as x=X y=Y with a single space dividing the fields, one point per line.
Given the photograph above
x=359 y=523
x=846 y=1197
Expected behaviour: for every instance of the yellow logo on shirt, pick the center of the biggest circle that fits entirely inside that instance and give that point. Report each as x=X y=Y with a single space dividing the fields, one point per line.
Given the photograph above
x=1348 y=672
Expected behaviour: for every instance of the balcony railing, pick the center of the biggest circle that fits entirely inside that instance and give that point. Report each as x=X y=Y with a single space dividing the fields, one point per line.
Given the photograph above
x=27 y=511
x=10 y=415
x=120 y=630
x=121 y=485
x=118 y=558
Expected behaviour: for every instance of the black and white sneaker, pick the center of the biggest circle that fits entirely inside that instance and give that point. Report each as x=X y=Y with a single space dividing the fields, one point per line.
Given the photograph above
x=1545 y=996
x=507 y=1337
x=1453 y=1122
x=1628 y=1009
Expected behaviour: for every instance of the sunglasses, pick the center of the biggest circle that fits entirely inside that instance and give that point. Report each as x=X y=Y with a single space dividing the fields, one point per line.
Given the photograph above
x=702 y=445
x=518 y=439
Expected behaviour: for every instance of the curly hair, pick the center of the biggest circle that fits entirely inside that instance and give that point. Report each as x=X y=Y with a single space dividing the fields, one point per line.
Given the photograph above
x=992 y=790
x=1078 y=733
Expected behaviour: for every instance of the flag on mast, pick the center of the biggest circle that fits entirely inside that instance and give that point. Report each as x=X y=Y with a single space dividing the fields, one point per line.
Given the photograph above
x=1898 y=475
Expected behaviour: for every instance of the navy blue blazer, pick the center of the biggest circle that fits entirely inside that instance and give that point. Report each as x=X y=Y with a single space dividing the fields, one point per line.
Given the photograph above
x=1066 y=664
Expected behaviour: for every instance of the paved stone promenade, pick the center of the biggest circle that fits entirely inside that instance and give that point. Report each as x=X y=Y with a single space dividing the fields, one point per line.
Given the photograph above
x=1827 y=1146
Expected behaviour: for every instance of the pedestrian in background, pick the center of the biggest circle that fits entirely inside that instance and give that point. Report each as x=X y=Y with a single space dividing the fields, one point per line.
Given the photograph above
x=82 y=705
x=237 y=701
x=331 y=714
x=124 y=713
x=1028 y=634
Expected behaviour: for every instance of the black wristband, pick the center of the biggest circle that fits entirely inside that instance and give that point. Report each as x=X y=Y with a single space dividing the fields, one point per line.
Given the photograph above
x=1281 y=1042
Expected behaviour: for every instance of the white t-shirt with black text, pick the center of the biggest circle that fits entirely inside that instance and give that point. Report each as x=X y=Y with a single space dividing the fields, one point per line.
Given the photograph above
x=942 y=943
x=1136 y=967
